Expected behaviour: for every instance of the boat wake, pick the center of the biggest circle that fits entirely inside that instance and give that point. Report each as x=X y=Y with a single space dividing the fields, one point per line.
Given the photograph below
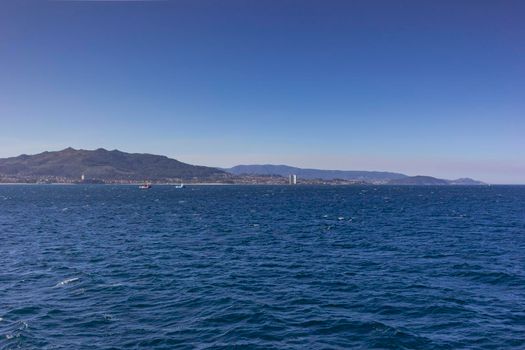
x=67 y=281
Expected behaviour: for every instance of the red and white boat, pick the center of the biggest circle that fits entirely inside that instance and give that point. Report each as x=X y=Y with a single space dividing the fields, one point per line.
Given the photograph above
x=145 y=186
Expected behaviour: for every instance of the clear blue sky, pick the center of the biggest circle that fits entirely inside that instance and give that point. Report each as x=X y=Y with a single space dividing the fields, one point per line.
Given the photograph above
x=420 y=87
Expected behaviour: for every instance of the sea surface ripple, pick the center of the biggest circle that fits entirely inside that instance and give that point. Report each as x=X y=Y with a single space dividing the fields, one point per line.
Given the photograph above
x=262 y=267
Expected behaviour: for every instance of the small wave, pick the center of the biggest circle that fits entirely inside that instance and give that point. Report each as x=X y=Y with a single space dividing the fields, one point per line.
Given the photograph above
x=23 y=325
x=111 y=285
x=67 y=281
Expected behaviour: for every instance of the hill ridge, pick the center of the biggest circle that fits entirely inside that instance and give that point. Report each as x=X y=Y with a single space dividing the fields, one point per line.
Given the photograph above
x=310 y=173
x=101 y=164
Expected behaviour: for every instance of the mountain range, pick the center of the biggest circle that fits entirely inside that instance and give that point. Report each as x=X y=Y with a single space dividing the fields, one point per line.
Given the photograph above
x=377 y=177
x=310 y=174
x=101 y=165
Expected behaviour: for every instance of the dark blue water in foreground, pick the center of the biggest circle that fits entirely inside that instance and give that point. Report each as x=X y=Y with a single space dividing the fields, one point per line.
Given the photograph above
x=100 y=267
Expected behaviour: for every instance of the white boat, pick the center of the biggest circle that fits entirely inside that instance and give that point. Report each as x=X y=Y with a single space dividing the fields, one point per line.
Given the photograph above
x=180 y=186
x=145 y=186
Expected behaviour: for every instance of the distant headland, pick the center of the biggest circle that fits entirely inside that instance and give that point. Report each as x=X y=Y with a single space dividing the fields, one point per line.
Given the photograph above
x=102 y=166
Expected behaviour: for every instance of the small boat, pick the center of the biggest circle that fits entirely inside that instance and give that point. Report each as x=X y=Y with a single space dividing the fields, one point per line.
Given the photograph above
x=145 y=186
x=180 y=186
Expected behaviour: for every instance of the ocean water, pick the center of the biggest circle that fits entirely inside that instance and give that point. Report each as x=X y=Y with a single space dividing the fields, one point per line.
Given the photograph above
x=262 y=267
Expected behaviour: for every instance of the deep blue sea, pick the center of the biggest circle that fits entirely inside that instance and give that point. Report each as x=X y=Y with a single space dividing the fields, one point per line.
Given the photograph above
x=262 y=267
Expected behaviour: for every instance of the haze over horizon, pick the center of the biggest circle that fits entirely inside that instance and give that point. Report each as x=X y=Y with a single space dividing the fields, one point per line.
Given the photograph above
x=433 y=88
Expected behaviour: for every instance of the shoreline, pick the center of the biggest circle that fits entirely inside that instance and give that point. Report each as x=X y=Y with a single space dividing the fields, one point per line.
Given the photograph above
x=244 y=184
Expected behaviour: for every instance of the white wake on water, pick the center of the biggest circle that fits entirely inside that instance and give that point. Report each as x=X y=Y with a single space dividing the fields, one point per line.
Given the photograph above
x=67 y=281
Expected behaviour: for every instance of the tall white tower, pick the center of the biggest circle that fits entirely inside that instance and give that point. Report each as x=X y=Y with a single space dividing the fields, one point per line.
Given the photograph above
x=292 y=179
x=82 y=177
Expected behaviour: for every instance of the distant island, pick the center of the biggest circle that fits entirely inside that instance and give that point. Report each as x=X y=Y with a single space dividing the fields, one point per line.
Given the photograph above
x=102 y=166
x=432 y=181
